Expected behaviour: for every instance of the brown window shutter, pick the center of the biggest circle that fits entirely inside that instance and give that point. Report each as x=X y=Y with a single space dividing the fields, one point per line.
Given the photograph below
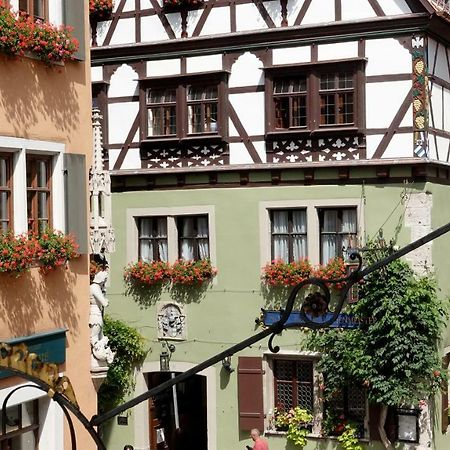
x=250 y=393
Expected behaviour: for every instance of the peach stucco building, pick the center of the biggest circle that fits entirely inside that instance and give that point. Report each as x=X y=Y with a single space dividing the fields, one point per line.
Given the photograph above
x=45 y=125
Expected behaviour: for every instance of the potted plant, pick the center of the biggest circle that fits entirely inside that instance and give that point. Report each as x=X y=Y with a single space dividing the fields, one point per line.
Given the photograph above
x=100 y=10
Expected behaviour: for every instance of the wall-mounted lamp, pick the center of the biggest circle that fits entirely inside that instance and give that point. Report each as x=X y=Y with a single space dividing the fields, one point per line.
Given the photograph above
x=226 y=364
x=164 y=357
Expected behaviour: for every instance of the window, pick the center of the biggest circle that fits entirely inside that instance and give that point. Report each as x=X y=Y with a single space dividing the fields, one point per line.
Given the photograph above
x=153 y=239
x=349 y=402
x=21 y=430
x=338 y=231
x=202 y=109
x=162 y=117
x=293 y=380
x=193 y=236
x=35 y=8
x=169 y=234
x=336 y=98
x=38 y=192
x=289 y=97
x=312 y=99
x=186 y=107
x=5 y=192
x=288 y=228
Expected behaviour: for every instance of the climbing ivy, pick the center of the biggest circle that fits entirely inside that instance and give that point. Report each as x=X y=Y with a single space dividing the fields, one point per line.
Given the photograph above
x=395 y=354
x=128 y=344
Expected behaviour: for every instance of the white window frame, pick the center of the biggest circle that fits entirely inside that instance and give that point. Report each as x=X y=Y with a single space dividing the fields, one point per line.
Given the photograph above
x=133 y=214
x=312 y=208
x=20 y=148
x=51 y=417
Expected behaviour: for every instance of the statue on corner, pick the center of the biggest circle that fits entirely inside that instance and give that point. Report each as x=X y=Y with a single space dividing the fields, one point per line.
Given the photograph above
x=102 y=355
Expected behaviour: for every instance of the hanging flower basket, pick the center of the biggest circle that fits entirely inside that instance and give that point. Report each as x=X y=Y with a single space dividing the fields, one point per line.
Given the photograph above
x=147 y=273
x=192 y=272
x=100 y=10
x=20 y=35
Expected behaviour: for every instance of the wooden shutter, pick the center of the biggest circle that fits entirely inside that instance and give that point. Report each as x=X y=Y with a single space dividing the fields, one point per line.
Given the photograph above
x=74 y=12
x=250 y=393
x=76 y=199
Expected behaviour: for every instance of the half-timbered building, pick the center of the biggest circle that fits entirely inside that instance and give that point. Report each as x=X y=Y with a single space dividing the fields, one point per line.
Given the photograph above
x=245 y=131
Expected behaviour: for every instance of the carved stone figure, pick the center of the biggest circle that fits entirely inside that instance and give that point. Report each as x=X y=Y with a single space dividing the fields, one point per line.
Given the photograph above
x=171 y=322
x=102 y=355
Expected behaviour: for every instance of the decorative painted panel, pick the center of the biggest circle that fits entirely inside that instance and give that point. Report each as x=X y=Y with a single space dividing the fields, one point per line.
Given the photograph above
x=176 y=156
x=317 y=149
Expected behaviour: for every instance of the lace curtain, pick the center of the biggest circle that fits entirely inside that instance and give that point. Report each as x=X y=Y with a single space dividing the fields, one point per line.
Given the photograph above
x=281 y=234
x=192 y=236
x=153 y=232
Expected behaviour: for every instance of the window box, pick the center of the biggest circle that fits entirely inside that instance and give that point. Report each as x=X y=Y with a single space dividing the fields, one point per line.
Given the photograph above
x=100 y=10
x=178 y=5
x=21 y=34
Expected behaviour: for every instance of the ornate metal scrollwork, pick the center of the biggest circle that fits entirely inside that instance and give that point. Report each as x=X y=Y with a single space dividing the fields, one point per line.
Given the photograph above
x=314 y=309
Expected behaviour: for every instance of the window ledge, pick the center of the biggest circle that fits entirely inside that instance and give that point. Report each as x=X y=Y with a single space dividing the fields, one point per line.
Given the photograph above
x=309 y=436
x=173 y=140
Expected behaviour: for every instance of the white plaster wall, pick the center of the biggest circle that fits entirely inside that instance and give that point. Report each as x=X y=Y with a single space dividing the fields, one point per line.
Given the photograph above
x=437 y=106
x=97 y=73
x=112 y=155
x=102 y=30
x=261 y=149
x=442 y=147
x=193 y=18
x=394 y=7
x=446 y=108
x=401 y=146
x=239 y=154
x=124 y=32
x=274 y=10
x=293 y=9
x=320 y=11
x=387 y=56
x=250 y=110
x=372 y=142
x=132 y=159
x=218 y=22
x=356 y=9
x=175 y=22
x=441 y=68
x=152 y=29
x=431 y=151
x=418 y=219
x=123 y=82
x=55 y=12
x=121 y=116
x=163 y=67
x=339 y=50
x=246 y=71
x=383 y=101
x=231 y=129
x=130 y=5
x=205 y=63
x=291 y=55
x=249 y=18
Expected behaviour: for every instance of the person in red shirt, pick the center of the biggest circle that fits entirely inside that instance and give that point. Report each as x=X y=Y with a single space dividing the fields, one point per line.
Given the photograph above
x=260 y=444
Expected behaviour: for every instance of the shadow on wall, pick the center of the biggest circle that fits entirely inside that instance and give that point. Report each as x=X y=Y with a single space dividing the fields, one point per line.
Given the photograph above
x=34 y=301
x=33 y=94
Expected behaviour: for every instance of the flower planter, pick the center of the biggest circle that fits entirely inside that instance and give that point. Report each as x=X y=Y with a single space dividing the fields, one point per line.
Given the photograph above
x=147 y=273
x=178 y=5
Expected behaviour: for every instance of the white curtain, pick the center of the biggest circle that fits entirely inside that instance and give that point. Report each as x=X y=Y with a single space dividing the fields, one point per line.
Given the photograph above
x=202 y=232
x=280 y=242
x=162 y=241
x=299 y=232
x=329 y=247
x=145 y=246
x=187 y=247
x=349 y=227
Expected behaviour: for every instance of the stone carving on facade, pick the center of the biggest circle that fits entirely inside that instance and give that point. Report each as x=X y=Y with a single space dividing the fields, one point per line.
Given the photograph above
x=102 y=355
x=171 y=321
x=101 y=234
